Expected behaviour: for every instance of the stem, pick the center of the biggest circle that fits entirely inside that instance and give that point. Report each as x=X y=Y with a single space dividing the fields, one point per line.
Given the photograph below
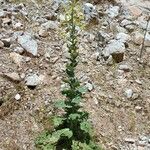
x=143 y=43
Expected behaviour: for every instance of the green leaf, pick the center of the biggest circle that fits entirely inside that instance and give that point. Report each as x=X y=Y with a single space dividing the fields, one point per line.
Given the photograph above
x=61 y=104
x=86 y=126
x=82 y=89
x=62 y=133
x=76 y=100
x=49 y=147
x=58 y=121
x=80 y=146
x=74 y=116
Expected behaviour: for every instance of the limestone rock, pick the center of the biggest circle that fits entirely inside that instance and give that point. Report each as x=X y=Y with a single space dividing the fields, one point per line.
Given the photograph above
x=28 y=43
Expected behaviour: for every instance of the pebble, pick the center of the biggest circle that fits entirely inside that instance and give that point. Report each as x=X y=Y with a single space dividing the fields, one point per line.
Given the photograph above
x=138 y=38
x=32 y=80
x=89 y=86
x=89 y=11
x=129 y=140
x=17 y=97
x=13 y=76
x=113 y=11
x=50 y=25
x=1 y=44
x=16 y=58
x=43 y=33
x=125 y=68
x=123 y=37
x=7 y=42
x=129 y=93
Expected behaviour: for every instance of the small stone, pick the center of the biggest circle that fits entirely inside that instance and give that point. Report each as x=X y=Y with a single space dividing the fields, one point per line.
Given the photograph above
x=22 y=76
x=6 y=20
x=130 y=28
x=32 y=80
x=50 y=25
x=89 y=11
x=130 y=140
x=7 y=42
x=17 y=97
x=1 y=44
x=142 y=143
x=123 y=37
x=19 y=50
x=28 y=43
x=125 y=68
x=16 y=58
x=13 y=76
x=116 y=49
x=138 y=81
x=113 y=11
x=89 y=86
x=129 y=93
x=43 y=33
x=147 y=40
x=138 y=108
x=18 y=26
x=138 y=38
x=126 y=22
x=135 y=96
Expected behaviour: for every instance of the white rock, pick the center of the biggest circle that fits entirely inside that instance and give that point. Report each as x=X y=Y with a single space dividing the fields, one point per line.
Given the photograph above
x=1 y=44
x=113 y=11
x=125 y=67
x=122 y=37
x=19 y=50
x=129 y=140
x=17 y=97
x=129 y=93
x=116 y=49
x=138 y=108
x=126 y=22
x=2 y=14
x=50 y=25
x=142 y=23
x=89 y=86
x=89 y=11
x=28 y=43
x=18 y=26
x=32 y=80
x=57 y=3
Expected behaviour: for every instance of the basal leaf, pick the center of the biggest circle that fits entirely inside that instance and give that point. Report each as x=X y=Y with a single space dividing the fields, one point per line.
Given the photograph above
x=86 y=126
x=76 y=100
x=58 y=121
x=82 y=89
x=61 y=104
x=74 y=116
x=66 y=132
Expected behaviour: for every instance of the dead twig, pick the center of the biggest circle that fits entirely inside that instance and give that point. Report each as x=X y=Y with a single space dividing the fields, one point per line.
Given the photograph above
x=143 y=43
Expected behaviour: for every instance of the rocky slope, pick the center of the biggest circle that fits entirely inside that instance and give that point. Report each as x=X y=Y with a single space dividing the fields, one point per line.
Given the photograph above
x=32 y=62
